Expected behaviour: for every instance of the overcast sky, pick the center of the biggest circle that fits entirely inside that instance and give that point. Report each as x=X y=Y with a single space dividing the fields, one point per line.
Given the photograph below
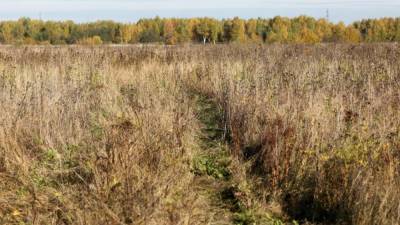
x=132 y=10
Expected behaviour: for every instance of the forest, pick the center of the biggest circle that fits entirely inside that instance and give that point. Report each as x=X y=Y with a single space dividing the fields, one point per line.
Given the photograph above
x=301 y=29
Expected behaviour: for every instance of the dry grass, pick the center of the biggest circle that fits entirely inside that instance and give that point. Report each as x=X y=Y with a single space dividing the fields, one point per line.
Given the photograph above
x=320 y=124
x=106 y=135
x=87 y=140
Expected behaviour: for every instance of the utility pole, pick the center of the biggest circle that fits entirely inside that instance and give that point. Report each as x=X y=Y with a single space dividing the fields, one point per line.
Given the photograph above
x=327 y=14
x=40 y=15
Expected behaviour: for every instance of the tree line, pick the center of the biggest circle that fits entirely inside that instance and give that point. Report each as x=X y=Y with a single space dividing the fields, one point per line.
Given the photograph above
x=302 y=29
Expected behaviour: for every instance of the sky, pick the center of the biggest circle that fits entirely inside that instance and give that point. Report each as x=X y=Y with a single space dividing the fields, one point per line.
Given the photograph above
x=132 y=10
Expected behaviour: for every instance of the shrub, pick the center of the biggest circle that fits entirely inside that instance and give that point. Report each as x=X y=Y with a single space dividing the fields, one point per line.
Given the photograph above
x=95 y=40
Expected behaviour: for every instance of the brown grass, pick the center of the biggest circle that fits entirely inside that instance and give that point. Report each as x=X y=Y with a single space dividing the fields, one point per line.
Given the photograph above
x=320 y=124
x=106 y=135
x=86 y=140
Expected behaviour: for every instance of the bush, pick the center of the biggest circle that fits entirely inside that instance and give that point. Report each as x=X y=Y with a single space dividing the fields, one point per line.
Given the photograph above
x=95 y=40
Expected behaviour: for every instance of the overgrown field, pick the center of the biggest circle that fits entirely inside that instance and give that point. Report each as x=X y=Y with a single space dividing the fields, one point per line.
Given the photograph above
x=242 y=134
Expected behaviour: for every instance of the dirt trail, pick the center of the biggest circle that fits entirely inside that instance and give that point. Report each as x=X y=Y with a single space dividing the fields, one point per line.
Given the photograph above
x=215 y=178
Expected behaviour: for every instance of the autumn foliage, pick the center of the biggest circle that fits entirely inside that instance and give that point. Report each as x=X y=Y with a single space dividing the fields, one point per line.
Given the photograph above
x=302 y=29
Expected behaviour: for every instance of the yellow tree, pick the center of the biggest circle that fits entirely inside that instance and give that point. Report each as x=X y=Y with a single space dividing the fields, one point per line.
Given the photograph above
x=323 y=29
x=351 y=35
x=279 y=31
x=251 y=31
x=126 y=33
x=338 y=32
x=238 y=30
x=6 y=33
x=207 y=30
x=307 y=36
x=169 y=32
x=397 y=30
x=183 y=30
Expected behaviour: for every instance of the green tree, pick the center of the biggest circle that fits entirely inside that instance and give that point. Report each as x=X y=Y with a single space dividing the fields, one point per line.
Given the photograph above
x=207 y=30
x=237 y=30
x=252 y=31
x=279 y=31
x=184 y=31
x=6 y=33
x=150 y=30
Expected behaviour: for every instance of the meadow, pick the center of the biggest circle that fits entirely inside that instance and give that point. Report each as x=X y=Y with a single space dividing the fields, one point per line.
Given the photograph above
x=200 y=134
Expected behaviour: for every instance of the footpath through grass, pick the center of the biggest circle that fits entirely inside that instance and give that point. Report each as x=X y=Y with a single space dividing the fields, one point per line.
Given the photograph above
x=219 y=176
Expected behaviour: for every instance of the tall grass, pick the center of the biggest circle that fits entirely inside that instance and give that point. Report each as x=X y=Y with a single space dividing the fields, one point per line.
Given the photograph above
x=107 y=135
x=86 y=138
x=320 y=124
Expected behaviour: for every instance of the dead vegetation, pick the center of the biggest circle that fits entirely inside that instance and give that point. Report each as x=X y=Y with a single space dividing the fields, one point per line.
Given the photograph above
x=109 y=135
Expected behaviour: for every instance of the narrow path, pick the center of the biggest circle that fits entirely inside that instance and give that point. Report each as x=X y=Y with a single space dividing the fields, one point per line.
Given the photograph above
x=215 y=177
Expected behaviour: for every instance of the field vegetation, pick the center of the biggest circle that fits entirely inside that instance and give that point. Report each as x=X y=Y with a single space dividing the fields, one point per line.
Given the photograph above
x=215 y=134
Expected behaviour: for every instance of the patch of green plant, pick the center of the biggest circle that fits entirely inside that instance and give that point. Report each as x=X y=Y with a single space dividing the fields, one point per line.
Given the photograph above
x=211 y=115
x=39 y=181
x=249 y=217
x=22 y=191
x=356 y=150
x=244 y=218
x=71 y=155
x=49 y=158
x=96 y=130
x=96 y=81
x=50 y=155
x=212 y=166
